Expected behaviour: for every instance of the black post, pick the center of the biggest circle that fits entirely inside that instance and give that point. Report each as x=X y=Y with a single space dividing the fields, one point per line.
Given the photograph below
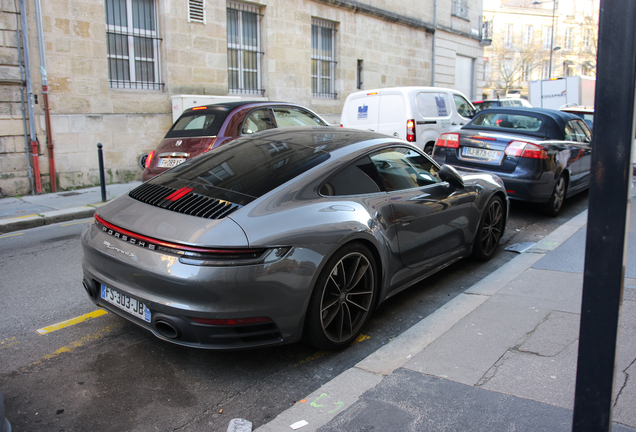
x=102 y=183
x=607 y=216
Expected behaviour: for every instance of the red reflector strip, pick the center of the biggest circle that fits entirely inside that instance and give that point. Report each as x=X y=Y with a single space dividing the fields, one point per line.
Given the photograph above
x=510 y=191
x=198 y=108
x=235 y=321
x=168 y=244
x=477 y=137
x=176 y=195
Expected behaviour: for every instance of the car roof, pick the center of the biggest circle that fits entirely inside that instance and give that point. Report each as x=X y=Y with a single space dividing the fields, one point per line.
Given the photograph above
x=228 y=106
x=554 y=120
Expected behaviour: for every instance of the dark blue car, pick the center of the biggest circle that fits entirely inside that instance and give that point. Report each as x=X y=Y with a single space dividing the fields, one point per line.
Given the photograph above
x=542 y=155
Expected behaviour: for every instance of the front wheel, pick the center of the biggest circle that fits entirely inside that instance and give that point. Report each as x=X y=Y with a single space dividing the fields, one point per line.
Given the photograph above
x=491 y=228
x=342 y=299
x=554 y=206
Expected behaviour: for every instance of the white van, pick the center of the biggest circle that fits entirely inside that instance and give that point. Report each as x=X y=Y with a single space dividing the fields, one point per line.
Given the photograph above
x=416 y=114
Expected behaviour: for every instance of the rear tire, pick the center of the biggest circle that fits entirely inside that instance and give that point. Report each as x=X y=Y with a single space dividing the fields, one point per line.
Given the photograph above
x=491 y=228
x=555 y=205
x=428 y=149
x=342 y=299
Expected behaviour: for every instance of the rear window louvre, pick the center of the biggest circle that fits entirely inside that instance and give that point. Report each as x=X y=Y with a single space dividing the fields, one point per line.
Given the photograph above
x=192 y=204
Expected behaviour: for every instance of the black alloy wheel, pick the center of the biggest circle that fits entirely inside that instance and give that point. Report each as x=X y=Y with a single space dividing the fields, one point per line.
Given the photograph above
x=554 y=206
x=490 y=230
x=342 y=299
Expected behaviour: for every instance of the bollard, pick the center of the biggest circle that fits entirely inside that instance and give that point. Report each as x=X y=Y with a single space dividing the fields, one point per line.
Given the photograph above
x=102 y=183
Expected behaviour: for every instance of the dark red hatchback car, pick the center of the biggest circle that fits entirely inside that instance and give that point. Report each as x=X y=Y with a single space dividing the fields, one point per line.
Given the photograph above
x=204 y=128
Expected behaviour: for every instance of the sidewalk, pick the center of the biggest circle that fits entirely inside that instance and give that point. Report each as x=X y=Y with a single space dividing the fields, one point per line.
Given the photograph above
x=500 y=357
x=31 y=211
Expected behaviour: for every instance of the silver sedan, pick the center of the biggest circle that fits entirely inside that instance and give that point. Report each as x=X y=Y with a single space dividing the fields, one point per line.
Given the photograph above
x=285 y=235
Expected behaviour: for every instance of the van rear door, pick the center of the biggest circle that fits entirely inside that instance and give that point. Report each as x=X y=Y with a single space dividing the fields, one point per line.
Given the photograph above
x=361 y=111
x=393 y=115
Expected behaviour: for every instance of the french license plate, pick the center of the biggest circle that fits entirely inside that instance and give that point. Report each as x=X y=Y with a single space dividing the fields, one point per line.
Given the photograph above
x=123 y=302
x=171 y=162
x=481 y=153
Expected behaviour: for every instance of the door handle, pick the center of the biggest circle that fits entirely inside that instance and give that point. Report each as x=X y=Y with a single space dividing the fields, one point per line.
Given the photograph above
x=405 y=220
x=454 y=124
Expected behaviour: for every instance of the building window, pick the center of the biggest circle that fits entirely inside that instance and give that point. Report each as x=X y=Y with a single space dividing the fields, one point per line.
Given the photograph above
x=359 y=77
x=244 y=49
x=461 y=9
x=323 y=58
x=547 y=37
x=569 y=32
x=508 y=33
x=587 y=38
x=133 y=45
x=525 y=71
x=545 y=69
x=528 y=35
x=486 y=69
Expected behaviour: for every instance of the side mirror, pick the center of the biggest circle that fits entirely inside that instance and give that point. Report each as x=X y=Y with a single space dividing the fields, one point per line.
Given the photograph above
x=449 y=174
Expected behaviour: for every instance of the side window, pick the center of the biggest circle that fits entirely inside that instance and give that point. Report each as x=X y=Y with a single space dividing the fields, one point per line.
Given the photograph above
x=358 y=178
x=288 y=117
x=257 y=120
x=582 y=132
x=402 y=168
x=463 y=106
x=570 y=135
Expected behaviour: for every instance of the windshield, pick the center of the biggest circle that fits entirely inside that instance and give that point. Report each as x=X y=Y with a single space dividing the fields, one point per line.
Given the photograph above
x=244 y=170
x=508 y=121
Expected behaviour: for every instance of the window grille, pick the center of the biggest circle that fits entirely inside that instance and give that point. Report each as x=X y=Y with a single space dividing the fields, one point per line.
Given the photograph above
x=133 y=44
x=547 y=37
x=196 y=11
x=244 y=49
x=508 y=35
x=569 y=32
x=528 y=35
x=323 y=58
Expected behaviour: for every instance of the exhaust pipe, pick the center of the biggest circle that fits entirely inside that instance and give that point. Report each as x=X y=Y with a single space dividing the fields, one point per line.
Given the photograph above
x=88 y=290
x=167 y=329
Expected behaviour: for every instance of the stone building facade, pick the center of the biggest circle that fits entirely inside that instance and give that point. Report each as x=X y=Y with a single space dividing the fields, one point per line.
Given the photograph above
x=526 y=32
x=113 y=66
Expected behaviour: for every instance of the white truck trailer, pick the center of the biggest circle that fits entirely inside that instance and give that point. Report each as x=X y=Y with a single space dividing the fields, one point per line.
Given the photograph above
x=557 y=92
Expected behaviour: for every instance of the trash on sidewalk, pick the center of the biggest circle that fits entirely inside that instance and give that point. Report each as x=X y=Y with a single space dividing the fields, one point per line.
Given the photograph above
x=520 y=247
x=299 y=424
x=239 y=425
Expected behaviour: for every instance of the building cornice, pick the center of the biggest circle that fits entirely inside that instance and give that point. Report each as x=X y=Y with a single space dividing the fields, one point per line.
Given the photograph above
x=383 y=14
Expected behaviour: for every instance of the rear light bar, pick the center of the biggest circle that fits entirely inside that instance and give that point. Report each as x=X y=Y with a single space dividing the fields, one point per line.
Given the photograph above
x=410 y=130
x=195 y=255
x=450 y=140
x=148 y=159
x=232 y=321
x=525 y=150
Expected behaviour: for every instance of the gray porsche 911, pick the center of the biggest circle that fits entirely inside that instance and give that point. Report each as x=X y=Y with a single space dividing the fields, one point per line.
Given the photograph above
x=284 y=235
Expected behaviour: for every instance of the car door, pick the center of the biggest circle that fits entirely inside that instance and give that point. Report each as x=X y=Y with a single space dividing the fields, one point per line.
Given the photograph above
x=583 y=162
x=431 y=217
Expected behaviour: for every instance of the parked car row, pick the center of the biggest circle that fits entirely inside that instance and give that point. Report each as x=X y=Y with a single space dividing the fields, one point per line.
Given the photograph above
x=289 y=229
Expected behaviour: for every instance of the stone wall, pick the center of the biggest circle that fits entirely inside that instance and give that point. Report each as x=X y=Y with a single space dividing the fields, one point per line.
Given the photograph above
x=389 y=36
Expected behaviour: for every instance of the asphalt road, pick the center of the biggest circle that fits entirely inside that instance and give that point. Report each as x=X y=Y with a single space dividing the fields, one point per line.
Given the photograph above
x=104 y=374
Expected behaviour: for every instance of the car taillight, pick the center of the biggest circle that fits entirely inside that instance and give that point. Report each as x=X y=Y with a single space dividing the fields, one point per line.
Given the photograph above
x=526 y=150
x=410 y=130
x=149 y=158
x=450 y=140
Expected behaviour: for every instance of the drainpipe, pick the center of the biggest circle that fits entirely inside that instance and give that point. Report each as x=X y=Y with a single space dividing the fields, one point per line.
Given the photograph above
x=27 y=70
x=23 y=109
x=434 y=40
x=45 y=97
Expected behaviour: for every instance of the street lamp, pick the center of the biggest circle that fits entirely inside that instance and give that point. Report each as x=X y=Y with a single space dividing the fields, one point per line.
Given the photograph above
x=551 y=32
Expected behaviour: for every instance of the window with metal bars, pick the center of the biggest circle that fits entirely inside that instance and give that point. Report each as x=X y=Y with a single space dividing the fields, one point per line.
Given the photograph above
x=133 y=45
x=323 y=58
x=244 y=49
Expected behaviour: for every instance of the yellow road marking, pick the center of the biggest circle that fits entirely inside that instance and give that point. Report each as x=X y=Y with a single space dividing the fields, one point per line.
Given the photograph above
x=22 y=217
x=11 y=235
x=74 y=223
x=72 y=321
x=318 y=354
x=8 y=342
x=79 y=343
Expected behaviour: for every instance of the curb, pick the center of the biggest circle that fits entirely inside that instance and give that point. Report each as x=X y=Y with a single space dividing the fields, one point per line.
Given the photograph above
x=344 y=390
x=47 y=218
